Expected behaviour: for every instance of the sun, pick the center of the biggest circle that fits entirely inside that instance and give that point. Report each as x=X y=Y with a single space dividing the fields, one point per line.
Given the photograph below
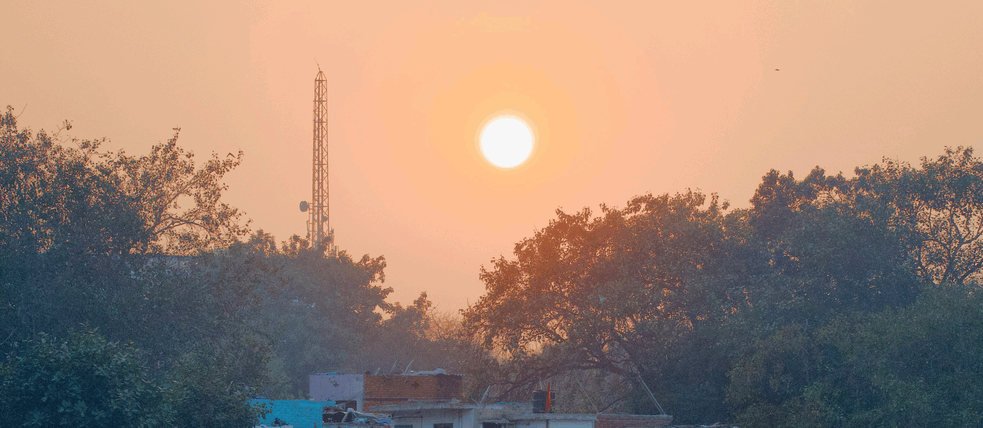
x=506 y=141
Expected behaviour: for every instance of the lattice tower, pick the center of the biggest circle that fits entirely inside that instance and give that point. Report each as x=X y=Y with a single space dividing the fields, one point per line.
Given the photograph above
x=318 y=226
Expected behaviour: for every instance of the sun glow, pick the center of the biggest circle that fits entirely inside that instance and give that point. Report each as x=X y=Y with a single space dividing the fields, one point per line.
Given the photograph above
x=506 y=142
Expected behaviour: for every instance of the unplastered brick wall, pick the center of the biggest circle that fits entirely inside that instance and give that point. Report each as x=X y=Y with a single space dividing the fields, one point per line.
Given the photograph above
x=398 y=389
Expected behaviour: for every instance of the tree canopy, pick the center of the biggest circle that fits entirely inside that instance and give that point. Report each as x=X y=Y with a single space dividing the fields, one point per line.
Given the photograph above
x=134 y=265
x=757 y=315
x=129 y=291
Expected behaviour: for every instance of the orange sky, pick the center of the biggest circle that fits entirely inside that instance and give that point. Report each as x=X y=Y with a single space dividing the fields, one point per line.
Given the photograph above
x=637 y=97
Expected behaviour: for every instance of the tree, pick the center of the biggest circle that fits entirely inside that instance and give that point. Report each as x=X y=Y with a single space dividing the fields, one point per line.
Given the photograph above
x=920 y=364
x=315 y=309
x=426 y=339
x=768 y=382
x=81 y=381
x=941 y=204
x=914 y=366
x=210 y=387
x=621 y=293
x=58 y=197
x=162 y=181
x=95 y=238
x=594 y=283
x=674 y=291
x=828 y=247
x=844 y=308
x=76 y=222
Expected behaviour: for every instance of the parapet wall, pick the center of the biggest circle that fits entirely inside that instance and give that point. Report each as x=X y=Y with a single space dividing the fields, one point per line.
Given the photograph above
x=399 y=389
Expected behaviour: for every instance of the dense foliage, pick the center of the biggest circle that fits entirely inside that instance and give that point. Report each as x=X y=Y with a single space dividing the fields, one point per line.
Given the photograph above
x=828 y=302
x=83 y=381
x=131 y=295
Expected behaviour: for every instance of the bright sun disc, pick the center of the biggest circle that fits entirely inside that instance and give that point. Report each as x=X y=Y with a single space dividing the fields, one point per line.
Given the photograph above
x=506 y=142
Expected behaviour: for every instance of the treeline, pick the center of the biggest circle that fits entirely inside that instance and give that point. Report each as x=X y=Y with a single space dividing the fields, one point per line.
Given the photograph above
x=830 y=302
x=131 y=295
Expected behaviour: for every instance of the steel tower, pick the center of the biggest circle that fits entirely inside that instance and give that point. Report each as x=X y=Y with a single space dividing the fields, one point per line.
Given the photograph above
x=318 y=226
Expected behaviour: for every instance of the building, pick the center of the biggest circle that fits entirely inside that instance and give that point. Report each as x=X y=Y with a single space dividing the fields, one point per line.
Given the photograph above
x=433 y=400
x=456 y=414
x=364 y=392
x=298 y=413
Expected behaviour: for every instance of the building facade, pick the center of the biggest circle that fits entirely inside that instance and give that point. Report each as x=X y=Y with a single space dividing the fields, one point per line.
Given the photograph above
x=365 y=392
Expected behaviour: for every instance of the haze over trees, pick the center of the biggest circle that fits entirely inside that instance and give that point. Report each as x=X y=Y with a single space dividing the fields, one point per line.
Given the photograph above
x=830 y=302
x=132 y=295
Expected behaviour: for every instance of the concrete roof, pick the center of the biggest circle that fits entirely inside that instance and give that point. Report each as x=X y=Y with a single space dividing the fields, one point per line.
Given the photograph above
x=555 y=416
x=423 y=405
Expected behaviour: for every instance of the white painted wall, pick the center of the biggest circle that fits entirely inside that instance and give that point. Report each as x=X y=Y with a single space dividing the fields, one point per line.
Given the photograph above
x=555 y=423
x=569 y=424
x=338 y=387
x=460 y=419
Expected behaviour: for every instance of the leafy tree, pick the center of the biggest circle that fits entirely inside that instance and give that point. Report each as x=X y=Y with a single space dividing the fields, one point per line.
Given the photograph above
x=211 y=387
x=767 y=385
x=849 y=255
x=426 y=338
x=57 y=197
x=941 y=204
x=828 y=249
x=832 y=247
x=92 y=237
x=619 y=293
x=593 y=283
x=166 y=179
x=915 y=366
x=405 y=329
x=921 y=364
x=60 y=199
x=325 y=308
x=82 y=381
x=78 y=222
x=59 y=207
x=674 y=291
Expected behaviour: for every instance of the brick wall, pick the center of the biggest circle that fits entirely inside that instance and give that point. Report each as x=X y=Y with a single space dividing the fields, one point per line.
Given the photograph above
x=398 y=389
x=631 y=421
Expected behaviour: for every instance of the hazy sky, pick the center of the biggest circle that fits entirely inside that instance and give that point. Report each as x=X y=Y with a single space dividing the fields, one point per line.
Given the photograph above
x=638 y=97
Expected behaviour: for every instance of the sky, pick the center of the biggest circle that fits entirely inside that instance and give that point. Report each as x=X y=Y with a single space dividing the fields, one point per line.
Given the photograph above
x=625 y=98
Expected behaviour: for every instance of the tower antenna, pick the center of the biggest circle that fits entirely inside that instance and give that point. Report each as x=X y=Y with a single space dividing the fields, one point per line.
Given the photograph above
x=319 y=226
